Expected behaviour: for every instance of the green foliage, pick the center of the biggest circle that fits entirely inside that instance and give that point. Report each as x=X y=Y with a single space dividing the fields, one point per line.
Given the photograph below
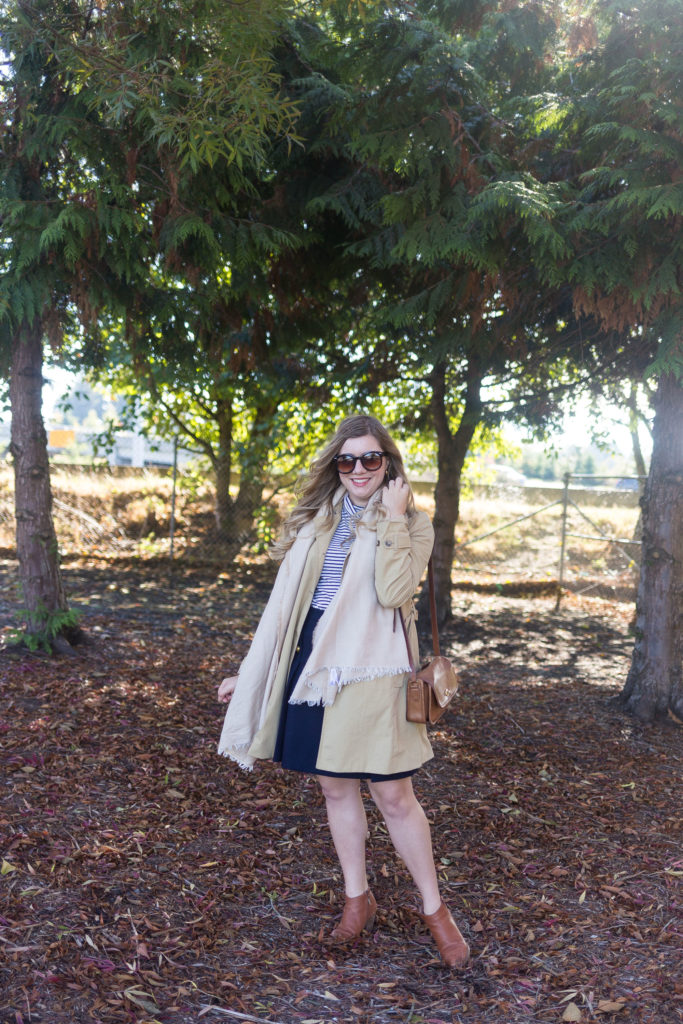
x=623 y=199
x=105 y=126
x=195 y=80
x=267 y=527
x=450 y=210
x=252 y=217
x=44 y=626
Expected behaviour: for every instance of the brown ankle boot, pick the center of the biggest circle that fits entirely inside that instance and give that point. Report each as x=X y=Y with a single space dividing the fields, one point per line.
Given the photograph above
x=453 y=949
x=358 y=915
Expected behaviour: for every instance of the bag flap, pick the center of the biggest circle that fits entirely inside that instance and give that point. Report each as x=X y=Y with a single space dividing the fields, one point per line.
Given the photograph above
x=442 y=678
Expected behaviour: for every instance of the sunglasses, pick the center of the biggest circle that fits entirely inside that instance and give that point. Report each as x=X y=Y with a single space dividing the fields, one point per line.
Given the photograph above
x=370 y=461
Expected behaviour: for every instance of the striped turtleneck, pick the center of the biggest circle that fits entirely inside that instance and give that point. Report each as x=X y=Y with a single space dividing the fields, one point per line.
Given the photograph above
x=335 y=556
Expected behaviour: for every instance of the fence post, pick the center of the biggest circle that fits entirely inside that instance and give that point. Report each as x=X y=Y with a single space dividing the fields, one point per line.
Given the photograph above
x=175 y=474
x=565 y=502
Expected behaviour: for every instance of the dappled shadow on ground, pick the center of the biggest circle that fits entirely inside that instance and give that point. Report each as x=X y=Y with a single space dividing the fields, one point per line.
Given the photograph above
x=146 y=879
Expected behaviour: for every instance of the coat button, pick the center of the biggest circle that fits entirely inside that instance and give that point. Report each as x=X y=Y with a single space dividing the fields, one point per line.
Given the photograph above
x=388 y=543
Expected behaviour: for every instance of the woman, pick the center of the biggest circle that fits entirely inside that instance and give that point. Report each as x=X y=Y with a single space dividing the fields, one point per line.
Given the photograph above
x=323 y=687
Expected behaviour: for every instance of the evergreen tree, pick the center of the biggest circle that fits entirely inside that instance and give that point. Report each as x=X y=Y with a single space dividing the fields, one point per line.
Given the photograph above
x=242 y=326
x=462 y=313
x=91 y=162
x=622 y=216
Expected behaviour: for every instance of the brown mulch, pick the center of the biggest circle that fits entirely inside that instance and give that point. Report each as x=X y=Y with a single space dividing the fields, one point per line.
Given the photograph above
x=146 y=879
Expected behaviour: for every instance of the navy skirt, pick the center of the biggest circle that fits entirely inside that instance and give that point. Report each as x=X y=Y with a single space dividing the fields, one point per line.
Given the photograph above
x=300 y=727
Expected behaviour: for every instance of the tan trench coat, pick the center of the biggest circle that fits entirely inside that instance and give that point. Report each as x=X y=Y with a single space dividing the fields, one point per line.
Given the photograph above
x=365 y=731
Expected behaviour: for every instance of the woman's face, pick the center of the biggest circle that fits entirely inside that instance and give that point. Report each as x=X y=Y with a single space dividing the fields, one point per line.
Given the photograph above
x=362 y=483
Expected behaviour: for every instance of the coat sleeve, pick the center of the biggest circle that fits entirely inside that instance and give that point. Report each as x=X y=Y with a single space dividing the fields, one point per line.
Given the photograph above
x=403 y=550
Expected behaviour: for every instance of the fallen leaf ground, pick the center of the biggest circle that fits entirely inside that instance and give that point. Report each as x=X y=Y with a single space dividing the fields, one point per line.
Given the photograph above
x=146 y=879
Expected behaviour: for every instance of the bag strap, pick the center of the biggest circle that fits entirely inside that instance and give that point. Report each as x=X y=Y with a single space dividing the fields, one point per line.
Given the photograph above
x=405 y=637
x=432 y=615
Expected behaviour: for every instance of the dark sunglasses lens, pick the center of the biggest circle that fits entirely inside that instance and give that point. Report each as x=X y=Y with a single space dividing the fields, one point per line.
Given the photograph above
x=345 y=463
x=371 y=462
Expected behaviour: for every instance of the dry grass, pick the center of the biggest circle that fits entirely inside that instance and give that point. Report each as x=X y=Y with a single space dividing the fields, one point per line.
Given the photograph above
x=113 y=513
x=98 y=512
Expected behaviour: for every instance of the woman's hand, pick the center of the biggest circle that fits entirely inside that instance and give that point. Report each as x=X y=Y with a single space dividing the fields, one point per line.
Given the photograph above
x=227 y=688
x=395 y=497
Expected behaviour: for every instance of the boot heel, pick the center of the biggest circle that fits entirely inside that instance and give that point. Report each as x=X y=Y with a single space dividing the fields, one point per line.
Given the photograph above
x=369 y=925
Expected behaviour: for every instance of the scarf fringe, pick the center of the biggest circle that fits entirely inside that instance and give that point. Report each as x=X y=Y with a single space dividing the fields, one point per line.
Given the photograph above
x=344 y=677
x=238 y=755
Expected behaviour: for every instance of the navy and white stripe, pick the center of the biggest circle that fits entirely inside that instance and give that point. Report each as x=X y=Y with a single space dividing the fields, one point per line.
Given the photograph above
x=335 y=556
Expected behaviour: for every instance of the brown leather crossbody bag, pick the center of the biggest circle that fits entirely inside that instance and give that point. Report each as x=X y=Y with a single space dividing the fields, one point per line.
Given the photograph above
x=432 y=688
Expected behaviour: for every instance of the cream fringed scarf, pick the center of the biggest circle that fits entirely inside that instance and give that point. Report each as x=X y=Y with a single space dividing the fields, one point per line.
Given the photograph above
x=256 y=676
x=355 y=639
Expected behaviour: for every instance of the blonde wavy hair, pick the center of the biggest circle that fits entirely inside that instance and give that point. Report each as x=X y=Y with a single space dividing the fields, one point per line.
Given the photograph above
x=322 y=481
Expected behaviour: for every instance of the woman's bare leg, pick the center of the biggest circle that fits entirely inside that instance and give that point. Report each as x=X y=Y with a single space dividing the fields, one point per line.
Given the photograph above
x=349 y=828
x=410 y=834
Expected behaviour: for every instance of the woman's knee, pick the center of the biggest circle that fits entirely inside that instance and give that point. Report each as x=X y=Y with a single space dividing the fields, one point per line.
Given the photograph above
x=336 y=789
x=394 y=798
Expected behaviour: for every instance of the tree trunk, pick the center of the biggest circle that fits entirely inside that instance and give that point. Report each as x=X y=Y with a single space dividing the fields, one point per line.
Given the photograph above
x=45 y=609
x=222 y=464
x=654 y=686
x=452 y=450
x=247 y=502
x=235 y=516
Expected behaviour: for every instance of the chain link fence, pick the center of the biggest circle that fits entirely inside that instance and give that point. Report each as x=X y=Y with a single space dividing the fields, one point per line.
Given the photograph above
x=581 y=533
